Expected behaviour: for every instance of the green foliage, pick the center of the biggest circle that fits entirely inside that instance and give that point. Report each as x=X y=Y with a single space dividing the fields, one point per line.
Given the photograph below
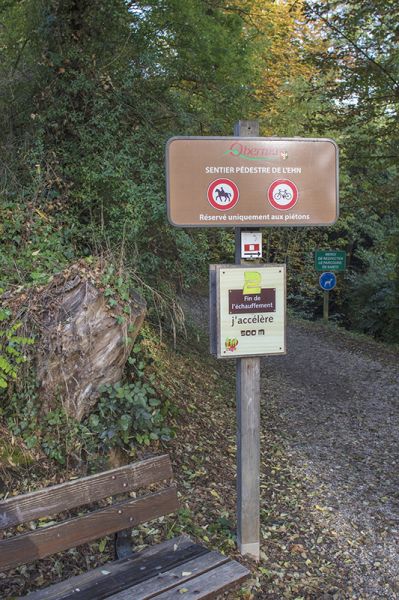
x=127 y=416
x=351 y=97
x=37 y=244
x=11 y=348
x=61 y=438
x=359 y=81
x=372 y=297
x=107 y=85
x=13 y=455
x=91 y=92
x=130 y=414
x=117 y=290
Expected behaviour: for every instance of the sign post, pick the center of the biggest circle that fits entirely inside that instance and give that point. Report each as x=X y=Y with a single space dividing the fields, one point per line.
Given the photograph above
x=250 y=182
x=326 y=301
x=327 y=282
x=248 y=423
x=328 y=261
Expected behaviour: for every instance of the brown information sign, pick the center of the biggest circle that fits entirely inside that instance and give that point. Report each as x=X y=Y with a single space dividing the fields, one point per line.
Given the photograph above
x=257 y=182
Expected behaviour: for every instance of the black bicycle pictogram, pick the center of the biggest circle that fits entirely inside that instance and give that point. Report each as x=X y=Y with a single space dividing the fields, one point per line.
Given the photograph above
x=282 y=194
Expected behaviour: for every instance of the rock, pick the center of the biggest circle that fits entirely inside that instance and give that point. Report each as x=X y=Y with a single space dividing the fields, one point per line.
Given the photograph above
x=82 y=344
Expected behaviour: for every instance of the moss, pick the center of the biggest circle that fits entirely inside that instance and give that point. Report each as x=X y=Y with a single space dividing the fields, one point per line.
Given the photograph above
x=14 y=456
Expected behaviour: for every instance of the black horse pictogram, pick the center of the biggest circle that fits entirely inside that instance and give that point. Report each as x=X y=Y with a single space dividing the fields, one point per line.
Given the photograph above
x=222 y=195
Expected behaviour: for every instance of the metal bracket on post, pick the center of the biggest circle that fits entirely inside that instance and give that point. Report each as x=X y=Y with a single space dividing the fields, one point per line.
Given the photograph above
x=248 y=424
x=123 y=544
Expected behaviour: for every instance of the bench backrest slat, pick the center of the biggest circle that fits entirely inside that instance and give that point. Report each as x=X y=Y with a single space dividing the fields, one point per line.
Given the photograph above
x=55 y=499
x=68 y=534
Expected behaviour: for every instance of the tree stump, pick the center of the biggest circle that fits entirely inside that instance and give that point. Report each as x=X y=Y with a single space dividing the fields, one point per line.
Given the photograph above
x=83 y=344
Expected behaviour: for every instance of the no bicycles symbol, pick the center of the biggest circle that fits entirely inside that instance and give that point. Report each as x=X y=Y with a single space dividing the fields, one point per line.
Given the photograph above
x=283 y=194
x=223 y=194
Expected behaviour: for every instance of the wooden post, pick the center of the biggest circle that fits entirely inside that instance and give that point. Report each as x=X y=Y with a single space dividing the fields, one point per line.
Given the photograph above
x=326 y=298
x=248 y=424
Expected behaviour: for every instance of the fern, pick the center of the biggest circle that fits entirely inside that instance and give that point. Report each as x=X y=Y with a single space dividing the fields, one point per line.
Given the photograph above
x=11 y=348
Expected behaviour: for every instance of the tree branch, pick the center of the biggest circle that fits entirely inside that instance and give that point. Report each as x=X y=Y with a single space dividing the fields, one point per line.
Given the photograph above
x=358 y=49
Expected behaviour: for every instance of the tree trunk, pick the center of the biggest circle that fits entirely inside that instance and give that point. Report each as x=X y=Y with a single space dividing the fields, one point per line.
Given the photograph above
x=83 y=344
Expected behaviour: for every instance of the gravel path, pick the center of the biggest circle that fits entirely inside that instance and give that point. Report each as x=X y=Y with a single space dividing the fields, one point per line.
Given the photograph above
x=334 y=398
x=338 y=401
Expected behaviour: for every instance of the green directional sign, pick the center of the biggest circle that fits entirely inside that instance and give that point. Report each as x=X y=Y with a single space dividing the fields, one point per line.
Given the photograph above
x=330 y=260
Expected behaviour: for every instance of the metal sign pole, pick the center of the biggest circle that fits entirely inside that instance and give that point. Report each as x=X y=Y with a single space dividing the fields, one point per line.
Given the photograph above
x=325 y=305
x=248 y=424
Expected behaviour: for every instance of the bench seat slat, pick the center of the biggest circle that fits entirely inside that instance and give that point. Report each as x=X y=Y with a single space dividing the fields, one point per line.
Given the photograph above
x=168 y=581
x=43 y=542
x=64 y=496
x=117 y=575
x=207 y=585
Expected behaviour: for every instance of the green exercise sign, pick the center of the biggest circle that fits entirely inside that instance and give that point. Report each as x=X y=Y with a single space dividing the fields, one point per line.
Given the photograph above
x=330 y=260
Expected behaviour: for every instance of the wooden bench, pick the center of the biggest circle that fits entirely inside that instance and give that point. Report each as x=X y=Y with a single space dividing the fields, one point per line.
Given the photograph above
x=175 y=569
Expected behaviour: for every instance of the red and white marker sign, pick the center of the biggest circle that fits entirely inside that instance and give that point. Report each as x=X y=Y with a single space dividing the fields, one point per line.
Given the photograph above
x=223 y=194
x=282 y=194
x=251 y=244
x=251 y=248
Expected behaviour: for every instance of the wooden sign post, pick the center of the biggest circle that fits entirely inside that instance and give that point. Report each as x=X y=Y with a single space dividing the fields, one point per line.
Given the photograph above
x=250 y=182
x=248 y=423
x=248 y=301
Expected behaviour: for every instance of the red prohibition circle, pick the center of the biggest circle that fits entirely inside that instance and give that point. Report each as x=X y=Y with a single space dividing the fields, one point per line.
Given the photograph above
x=223 y=198
x=281 y=197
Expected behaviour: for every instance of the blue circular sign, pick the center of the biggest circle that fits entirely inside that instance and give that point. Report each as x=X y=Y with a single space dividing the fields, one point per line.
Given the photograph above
x=327 y=281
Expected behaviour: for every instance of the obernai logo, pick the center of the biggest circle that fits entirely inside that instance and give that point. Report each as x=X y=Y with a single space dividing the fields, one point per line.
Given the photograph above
x=252 y=152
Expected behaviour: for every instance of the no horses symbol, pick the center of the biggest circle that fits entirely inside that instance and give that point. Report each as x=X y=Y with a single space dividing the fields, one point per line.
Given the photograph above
x=223 y=194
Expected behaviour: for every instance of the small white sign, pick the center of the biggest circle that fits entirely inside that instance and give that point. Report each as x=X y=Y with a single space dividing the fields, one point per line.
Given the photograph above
x=251 y=244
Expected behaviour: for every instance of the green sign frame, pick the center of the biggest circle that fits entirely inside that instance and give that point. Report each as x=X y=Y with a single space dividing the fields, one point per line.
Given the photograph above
x=330 y=260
